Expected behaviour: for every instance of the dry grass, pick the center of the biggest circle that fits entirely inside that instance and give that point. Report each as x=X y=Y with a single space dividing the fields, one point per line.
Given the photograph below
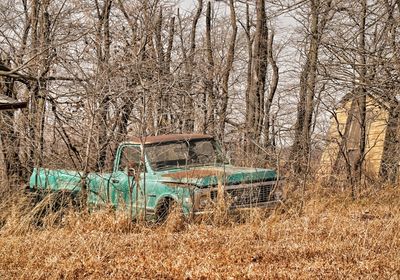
x=334 y=237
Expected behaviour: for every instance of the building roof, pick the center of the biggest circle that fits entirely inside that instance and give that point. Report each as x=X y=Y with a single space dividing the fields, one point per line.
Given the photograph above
x=382 y=100
x=168 y=138
x=7 y=103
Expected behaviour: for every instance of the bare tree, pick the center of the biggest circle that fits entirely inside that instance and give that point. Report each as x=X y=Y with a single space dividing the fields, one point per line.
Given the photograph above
x=319 y=16
x=227 y=71
x=255 y=106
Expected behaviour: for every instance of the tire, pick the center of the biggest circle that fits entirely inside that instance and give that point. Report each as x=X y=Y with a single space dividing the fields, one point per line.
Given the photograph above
x=164 y=209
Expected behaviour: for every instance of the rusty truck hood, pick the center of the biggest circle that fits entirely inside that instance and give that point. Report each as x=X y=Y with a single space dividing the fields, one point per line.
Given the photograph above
x=211 y=176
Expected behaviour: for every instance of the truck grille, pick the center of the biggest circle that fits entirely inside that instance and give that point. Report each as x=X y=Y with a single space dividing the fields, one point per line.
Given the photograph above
x=247 y=195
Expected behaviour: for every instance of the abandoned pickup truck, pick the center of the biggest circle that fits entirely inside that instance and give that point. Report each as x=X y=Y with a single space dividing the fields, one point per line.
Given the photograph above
x=153 y=173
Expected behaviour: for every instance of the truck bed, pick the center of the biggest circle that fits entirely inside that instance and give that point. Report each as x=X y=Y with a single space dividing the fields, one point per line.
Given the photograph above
x=53 y=180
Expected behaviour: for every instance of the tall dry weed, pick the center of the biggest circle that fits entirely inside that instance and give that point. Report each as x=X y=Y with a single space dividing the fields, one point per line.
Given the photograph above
x=334 y=237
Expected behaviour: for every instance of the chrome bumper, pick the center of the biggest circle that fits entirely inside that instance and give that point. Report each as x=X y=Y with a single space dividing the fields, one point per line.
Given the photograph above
x=263 y=205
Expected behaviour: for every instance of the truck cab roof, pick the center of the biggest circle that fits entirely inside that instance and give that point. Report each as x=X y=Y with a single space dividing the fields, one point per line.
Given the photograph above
x=167 y=138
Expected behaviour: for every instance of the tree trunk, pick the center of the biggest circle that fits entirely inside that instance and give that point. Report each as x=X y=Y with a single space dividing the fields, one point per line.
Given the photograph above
x=272 y=91
x=361 y=99
x=343 y=154
x=227 y=71
x=389 y=170
x=188 y=119
x=256 y=103
x=209 y=106
x=302 y=140
x=103 y=43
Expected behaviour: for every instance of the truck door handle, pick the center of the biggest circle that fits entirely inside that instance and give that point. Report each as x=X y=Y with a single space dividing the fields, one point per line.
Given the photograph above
x=114 y=181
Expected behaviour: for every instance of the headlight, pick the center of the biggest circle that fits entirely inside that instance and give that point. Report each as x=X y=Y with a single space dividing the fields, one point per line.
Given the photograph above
x=203 y=201
x=187 y=200
x=279 y=193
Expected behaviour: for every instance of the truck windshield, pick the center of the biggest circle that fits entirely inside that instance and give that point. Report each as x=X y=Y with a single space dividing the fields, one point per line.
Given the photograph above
x=183 y=154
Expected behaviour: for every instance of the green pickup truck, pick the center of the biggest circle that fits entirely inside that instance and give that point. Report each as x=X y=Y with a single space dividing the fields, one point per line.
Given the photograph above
x=153 y=173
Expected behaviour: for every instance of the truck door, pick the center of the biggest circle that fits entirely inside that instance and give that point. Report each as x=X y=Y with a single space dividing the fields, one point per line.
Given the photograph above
x=123 y=180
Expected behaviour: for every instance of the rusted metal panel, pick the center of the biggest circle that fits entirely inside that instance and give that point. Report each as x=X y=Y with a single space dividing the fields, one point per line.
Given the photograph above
x=194 y=173
x=168 y=138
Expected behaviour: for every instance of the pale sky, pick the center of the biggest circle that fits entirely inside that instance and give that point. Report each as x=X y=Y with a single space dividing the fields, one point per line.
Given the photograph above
x=188 y=4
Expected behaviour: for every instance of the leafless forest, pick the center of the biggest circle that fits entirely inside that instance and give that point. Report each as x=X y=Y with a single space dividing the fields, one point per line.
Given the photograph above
x=309 y=87
x=95 y=72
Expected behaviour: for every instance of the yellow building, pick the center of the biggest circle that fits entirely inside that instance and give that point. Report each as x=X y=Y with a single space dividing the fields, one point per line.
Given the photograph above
x=343 y=138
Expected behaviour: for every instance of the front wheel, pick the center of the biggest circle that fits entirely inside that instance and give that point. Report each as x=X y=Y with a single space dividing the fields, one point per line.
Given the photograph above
x=164 y=209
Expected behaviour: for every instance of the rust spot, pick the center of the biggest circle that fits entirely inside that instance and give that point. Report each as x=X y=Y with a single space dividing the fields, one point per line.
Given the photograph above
x=193 y=174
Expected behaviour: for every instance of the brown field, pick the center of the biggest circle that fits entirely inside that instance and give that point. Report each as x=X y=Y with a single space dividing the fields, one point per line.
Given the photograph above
x=333 y=237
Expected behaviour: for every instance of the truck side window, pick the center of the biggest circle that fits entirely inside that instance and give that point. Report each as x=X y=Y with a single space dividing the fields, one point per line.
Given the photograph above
x=130 y=158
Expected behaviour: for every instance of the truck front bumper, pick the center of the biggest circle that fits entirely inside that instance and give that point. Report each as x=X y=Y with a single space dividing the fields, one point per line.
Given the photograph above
x=239 y=208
